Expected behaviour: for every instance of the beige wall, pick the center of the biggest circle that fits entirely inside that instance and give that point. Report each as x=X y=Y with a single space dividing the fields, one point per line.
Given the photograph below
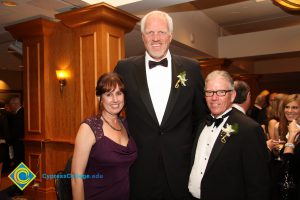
x=276 y=41
x=205 y=32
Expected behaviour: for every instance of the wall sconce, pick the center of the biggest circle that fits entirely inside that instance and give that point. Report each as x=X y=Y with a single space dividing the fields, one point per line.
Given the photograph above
x=61 y=76
x=292 y=5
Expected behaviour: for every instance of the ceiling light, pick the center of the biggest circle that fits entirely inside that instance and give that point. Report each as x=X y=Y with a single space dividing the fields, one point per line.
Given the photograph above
x=9 y=3
x=288 y=4
x=114 y=3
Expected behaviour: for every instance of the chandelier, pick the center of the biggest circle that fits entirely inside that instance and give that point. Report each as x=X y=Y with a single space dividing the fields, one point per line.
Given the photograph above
x=292 y=5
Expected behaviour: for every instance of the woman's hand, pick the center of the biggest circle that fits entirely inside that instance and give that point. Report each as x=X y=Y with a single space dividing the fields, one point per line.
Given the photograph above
x=271 y=144
x=293 y=131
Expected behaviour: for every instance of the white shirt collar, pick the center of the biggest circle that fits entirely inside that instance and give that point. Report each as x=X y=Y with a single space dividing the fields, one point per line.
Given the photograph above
x=257 y=106
x=224 y=113
x=239 y=108
x=148 y=57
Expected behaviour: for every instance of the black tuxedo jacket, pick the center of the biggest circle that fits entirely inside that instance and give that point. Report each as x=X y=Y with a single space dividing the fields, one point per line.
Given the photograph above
x=172 y=141
x=16 y=125
x=237 y=169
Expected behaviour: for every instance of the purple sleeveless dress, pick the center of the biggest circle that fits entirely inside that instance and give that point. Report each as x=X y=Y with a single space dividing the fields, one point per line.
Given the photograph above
x=108 y=165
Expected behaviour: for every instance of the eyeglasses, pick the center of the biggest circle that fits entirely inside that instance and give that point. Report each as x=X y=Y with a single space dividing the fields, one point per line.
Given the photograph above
x=220 y=93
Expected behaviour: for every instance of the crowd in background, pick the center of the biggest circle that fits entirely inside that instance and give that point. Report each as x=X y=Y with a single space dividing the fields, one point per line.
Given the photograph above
x=279 y=115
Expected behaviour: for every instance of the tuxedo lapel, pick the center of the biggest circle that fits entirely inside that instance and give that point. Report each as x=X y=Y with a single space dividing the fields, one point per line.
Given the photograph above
x=197 y=133
x=141 y=79
x=174 y=93
x=218 y=146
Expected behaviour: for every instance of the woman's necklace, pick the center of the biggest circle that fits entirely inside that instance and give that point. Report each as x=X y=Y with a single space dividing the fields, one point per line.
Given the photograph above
x=111 y=126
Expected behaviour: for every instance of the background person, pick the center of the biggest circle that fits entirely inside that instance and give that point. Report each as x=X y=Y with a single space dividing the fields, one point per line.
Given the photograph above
x=273 y=113
x=163 y=106
x=242 y=103
x=258 y=110
x=230 y=157
x=15 y=118
x=3 y=135
x=16 y=130
x=103 y=145
x=290 y=111
x=290 y=174
x=242 y=99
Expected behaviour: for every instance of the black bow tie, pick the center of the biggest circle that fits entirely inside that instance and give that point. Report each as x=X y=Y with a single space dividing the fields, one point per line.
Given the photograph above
x=210 y=120
x=163 y=62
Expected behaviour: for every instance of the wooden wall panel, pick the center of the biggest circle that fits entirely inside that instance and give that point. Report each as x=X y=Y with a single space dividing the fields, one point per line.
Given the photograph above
x=113 y=50
x=34 y=160
x=113 y=40
x=35 y=165
x=33 y=85
x=56 y=153
x=88 y=72
x=40 y=155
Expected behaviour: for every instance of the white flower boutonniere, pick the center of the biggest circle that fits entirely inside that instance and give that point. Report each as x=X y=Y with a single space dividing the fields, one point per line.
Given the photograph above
x=228 y=131
x=181 y=79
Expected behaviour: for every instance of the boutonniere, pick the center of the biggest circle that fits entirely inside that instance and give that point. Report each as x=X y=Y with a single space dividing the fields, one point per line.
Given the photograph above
x=181 y=79
x=228 y=131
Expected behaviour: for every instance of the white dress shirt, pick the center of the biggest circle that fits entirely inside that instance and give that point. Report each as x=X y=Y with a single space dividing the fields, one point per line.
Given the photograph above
x=204 y=148
x=159 y=81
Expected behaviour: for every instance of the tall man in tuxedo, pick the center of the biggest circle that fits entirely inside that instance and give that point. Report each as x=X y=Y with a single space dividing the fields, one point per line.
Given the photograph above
x=164 y=103
x=230 y=157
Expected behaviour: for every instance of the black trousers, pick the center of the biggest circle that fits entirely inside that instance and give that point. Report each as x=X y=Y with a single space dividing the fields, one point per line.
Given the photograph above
x=19 y=152
x=194 y=198
x=162 y=190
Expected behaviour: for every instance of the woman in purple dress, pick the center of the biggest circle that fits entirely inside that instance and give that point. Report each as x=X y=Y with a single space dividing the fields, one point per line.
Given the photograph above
x=104 y=150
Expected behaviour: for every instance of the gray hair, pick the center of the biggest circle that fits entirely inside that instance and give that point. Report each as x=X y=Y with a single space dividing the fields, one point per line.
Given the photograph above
x=157 y=12
x=221 y=74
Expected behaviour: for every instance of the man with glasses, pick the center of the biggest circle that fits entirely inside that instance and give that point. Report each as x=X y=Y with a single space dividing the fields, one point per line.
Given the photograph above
x=230 y=157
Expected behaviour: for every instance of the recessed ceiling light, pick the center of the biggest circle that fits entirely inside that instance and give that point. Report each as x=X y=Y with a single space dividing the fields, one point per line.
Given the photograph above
x=9 y=3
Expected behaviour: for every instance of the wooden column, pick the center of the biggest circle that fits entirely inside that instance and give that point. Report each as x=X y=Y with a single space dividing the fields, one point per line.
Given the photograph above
x=86 y=42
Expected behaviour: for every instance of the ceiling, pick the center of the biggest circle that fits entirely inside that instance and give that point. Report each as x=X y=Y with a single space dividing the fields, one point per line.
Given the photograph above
x=233 y=17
